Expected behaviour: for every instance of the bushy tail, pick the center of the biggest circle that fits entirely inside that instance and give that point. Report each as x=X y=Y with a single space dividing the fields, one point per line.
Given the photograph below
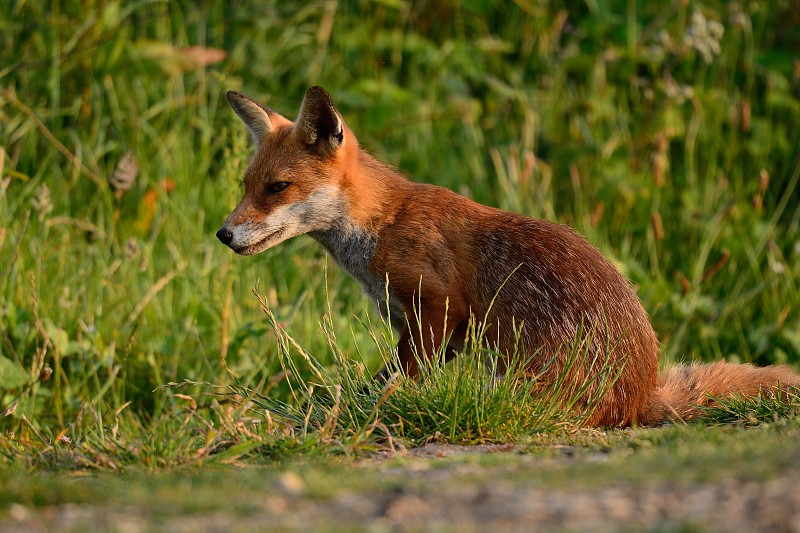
x=683 y=389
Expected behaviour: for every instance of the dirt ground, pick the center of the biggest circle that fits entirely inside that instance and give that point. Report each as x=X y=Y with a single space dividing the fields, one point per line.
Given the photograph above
x=423 y=492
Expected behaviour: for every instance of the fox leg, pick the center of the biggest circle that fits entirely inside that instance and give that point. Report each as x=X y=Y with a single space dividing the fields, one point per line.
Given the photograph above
x=421 y=341
x=408 y=358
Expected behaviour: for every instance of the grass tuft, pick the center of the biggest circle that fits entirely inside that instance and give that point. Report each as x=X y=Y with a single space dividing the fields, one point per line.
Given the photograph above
x=462 y=402
x=767 y=407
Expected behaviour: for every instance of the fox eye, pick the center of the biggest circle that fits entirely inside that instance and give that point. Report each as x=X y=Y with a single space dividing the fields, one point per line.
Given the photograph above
x=278 y=186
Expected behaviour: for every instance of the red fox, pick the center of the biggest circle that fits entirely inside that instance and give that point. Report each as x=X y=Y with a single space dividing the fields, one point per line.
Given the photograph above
x=429 y=256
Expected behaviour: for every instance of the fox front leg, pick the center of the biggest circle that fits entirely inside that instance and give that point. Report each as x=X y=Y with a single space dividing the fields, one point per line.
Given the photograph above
x=409 y=353
x=421 y=341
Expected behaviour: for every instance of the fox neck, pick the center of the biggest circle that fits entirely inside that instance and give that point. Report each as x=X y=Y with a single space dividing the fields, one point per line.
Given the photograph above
x=353 y=246
x=350 y=244
x=374 y=195
x=366 y=191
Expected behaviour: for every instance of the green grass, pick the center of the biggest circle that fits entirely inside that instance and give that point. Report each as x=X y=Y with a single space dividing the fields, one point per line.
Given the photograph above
x=461 y=402
x=768 y=406
x=119 y=160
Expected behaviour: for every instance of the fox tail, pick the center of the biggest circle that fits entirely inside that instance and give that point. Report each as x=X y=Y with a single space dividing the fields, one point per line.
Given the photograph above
x=683 y=390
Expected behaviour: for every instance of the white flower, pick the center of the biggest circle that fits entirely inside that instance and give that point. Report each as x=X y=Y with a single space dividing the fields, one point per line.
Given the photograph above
x=704 y=35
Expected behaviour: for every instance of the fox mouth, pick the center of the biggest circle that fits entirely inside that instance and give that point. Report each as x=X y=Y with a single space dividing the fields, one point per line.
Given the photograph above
x=260 y=246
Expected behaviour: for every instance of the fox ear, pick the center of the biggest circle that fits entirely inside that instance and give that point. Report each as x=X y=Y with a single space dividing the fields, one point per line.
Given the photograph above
x=319 y=123
x=255 y=116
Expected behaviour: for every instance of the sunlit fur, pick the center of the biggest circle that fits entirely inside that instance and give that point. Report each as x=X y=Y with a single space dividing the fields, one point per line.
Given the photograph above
x=535 y=284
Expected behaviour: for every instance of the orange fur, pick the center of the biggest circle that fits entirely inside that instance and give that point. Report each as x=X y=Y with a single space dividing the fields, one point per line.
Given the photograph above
x=448 y=258
x=683 y=390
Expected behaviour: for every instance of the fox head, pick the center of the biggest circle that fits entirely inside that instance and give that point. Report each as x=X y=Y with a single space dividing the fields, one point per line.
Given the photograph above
x=295 y=183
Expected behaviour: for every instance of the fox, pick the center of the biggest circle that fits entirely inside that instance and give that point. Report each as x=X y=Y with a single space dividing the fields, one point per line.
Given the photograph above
x=431 y=259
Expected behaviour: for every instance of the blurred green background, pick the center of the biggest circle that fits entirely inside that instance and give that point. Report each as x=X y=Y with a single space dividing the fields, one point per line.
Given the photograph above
x=665 y=131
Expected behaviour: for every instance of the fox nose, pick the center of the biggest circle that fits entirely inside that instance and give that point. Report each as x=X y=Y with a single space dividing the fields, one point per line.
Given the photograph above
x=225 y=235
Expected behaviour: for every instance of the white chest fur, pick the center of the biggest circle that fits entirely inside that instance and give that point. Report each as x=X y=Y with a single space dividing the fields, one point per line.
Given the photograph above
x=353 y=248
